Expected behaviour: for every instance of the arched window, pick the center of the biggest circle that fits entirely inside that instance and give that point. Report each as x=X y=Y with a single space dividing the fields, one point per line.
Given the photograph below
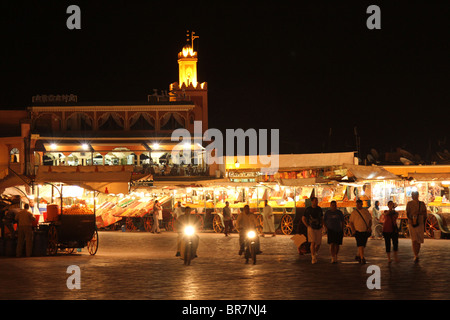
x=110 y=121
x=142 y=121
x=172 y=121
x=79 y=122
x=14 y=153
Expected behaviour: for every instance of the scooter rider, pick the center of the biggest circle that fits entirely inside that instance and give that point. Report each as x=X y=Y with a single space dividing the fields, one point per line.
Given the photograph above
x=245 y=222
x=187 y=219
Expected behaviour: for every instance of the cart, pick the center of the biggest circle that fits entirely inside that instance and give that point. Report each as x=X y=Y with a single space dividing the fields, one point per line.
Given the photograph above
x=438 y=220
x=71 y=231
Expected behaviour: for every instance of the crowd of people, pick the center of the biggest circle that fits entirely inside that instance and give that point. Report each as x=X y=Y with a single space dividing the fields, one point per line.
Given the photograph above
x=361 y=223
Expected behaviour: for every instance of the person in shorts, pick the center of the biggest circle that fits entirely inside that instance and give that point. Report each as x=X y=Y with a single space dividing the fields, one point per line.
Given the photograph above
x=313 y=220
x=361 y=223
x=334 y=224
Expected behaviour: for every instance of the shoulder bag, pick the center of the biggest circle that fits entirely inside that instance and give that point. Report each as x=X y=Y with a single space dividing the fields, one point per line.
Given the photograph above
x=369 y=231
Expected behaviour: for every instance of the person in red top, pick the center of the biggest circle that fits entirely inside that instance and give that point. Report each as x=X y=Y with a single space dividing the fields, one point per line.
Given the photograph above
x=390 y=230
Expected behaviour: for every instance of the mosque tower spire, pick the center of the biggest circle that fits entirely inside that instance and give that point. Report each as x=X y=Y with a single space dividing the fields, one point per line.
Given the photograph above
x=188 y=85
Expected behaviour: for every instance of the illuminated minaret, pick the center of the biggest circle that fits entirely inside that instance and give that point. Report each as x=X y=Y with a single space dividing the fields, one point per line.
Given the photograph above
x=187 y=63
x=188 y=85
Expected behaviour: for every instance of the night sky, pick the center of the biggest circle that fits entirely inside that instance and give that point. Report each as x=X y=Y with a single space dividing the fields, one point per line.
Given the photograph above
x=307 y=68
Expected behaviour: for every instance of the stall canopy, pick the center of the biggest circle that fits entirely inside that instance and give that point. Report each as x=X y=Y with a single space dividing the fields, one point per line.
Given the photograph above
x=10 y=179
x=303 y=182
x=106 y=179
x=429 y=176
x=356 y=172
x=292 y=161
x=315 y=160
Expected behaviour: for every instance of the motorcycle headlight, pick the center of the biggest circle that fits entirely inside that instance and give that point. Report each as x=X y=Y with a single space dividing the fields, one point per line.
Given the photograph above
x=189 y=230
x=251 y=234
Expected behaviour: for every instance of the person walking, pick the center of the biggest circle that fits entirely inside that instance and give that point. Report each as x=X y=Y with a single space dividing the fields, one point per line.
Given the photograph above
x=375 y=220
x=157 y=217
x=313 y=220
x=360 y=223
x=24 y=219
x=227 y=222
x=416 y=212
x=334 y=224
x=178 y=212
x=390 y=231
x=268 y=220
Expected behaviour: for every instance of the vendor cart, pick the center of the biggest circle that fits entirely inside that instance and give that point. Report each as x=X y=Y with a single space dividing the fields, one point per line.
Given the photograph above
x=438 y=220
x=68 y=231
x=254 y=196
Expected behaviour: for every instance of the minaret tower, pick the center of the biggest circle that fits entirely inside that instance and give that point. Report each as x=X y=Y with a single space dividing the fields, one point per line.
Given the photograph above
x=188 y=86
x=187 y=63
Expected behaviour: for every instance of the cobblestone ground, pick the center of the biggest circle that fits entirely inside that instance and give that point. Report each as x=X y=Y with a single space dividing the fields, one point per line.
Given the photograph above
x=137 y=265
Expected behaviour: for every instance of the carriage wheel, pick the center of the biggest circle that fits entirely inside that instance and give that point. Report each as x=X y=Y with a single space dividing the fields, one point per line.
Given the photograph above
x=130 y=225
x=347 y=230
x=217 y=224
x=170 y=223
x=233 y=221
x=69 y=250
x=260 y=225
x=92 y=244
x=174 y=224
x=200 y=221
x=431 y=225
x=404 y=230
x=287 y=224
x=52 y=247
x=148 y=223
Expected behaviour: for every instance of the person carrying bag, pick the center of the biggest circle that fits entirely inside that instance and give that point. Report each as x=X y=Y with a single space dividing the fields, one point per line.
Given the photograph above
x=360 y=223
x=390 y=230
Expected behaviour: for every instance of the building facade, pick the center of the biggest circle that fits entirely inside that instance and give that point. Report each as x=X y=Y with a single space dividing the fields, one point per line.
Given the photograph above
x=60 y=130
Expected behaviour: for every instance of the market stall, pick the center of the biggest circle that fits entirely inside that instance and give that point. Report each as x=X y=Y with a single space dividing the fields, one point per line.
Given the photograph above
x=68 y=220
x=134 y=210
x=201 y=201
x=434 y=191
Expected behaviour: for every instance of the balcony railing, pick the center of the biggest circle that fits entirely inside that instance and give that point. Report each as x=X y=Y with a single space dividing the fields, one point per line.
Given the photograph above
x=163 y=170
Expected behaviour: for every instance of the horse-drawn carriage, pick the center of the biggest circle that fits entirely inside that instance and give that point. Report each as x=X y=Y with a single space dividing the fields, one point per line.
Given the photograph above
x=70 y=229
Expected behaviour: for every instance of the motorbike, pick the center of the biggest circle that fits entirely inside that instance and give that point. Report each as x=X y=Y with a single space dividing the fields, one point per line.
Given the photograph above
x=188 y=245
x=250 y=246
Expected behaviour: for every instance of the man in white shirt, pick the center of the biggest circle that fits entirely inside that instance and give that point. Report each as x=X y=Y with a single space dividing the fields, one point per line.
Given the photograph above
x=178 y=212
x=360 y=223
x=269 y=220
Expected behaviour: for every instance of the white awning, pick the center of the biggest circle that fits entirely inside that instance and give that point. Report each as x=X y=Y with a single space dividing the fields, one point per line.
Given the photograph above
x=106 y=179
x=429 y=176
x=303 y=182
x=369 y=173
